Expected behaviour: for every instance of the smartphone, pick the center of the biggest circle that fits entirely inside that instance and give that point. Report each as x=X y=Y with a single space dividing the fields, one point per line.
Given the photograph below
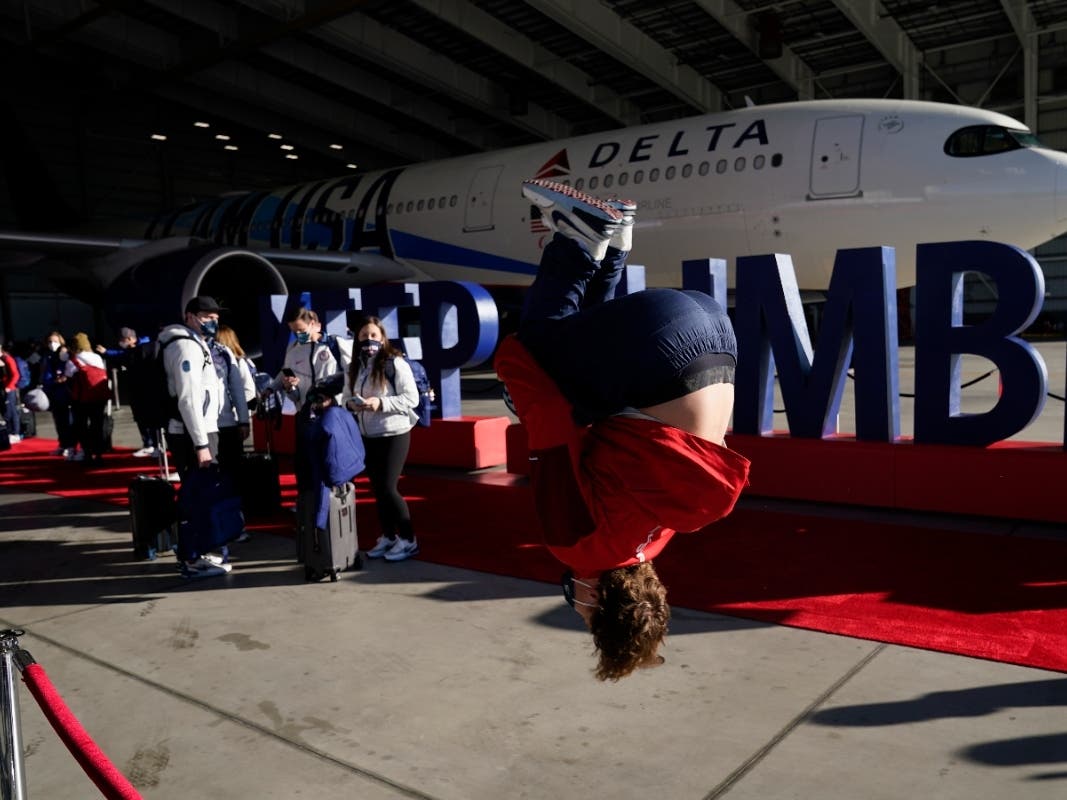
x=360 y=399
x=287 y=372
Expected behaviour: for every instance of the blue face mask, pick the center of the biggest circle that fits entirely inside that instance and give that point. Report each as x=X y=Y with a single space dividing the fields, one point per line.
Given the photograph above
x=209 y=327
x=303 y=337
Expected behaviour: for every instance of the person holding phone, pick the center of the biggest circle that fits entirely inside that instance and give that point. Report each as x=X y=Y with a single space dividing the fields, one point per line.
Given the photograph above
x=308 y=360
x=627 y=448
x=381 y=392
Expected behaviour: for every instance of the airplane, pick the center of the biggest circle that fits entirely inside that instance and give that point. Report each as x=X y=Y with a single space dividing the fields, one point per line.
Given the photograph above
x=803 y=178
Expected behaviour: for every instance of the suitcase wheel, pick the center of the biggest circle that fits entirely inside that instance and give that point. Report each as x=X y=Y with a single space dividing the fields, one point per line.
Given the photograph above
x=333 y=576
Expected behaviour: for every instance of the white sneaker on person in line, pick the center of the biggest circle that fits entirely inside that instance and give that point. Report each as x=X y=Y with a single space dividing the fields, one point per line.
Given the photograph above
x=144 y=452
x=381 y=547
x=202 y=568
x=402 y=549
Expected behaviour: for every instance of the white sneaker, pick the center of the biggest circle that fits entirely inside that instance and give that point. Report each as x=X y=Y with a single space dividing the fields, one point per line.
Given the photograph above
x=381 y=547
x=402 y=549
x=144 y=452
x=623 y=238
x=574 y=214
x=14 y=438
x=202 y=568
x=174 y=477
x=216 y=559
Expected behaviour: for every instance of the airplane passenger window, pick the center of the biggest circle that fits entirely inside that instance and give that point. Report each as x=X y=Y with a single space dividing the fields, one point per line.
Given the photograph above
x=432 y=202
x=441 y=202
x=984 y=140
x=639 y=176
x=608 y=180
x=687 y=170
x=623 y=178
x=704 y=168
x=420 y=205
x=669 y=174
x=720 y=166
x=593 y=182
x=758 y=161
x=578 y=184
x=653 y=174
x=389 y=209
x=452 y=201
x=739 y=163
x=411 y=206
x=776 y=160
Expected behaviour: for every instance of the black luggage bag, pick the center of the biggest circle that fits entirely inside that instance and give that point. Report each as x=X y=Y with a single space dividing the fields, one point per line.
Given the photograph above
x=259 y=484
x=328 y=551
x=27 y=422
x=153 y=514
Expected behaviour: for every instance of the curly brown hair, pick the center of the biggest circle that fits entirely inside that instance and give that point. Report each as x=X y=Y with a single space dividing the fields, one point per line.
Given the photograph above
x=630 y=621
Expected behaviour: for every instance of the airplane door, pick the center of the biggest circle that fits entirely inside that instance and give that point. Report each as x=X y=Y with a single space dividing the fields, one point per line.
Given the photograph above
x=479 y=213
x=835 y=157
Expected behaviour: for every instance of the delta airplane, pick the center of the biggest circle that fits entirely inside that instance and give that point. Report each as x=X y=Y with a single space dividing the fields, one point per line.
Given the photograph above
x=802 y=178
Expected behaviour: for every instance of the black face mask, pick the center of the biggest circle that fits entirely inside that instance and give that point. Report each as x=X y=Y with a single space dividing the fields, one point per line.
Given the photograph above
x=369 y=348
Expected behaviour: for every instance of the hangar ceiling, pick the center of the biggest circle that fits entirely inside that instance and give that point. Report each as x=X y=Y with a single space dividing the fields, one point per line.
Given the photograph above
x=389 y=82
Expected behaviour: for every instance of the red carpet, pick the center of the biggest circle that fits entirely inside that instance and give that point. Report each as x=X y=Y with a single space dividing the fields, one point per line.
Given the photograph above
x=995 y=597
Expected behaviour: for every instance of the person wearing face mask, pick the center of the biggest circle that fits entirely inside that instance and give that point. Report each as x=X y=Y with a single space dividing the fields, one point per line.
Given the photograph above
x=381 y=391
x=54 y=382
x=193 y=427
x=627 y=449
x=310 y=359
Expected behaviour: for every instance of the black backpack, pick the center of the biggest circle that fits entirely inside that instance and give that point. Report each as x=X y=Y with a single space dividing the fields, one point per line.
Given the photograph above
x=160 y=406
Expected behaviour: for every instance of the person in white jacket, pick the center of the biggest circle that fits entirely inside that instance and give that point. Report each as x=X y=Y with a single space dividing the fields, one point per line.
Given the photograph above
x=193 y=430
x=381 y=391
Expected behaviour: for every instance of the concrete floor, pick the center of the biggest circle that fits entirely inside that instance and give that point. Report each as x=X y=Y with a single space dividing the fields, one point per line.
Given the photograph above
x=414 y=680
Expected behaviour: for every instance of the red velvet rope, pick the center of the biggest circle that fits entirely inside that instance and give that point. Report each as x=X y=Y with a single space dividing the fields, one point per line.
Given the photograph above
x=101 y=771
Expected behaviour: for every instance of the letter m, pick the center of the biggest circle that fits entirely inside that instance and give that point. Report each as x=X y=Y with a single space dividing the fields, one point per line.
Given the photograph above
x=858 y=328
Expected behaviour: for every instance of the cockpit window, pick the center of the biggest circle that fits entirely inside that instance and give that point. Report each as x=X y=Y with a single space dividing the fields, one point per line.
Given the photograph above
x=984 y=140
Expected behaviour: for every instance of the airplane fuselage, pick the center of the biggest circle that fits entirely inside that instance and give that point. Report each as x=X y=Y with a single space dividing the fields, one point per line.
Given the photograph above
x=804 y=178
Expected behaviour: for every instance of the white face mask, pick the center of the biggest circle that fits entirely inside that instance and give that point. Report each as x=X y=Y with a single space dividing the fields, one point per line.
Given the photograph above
x=53 y=346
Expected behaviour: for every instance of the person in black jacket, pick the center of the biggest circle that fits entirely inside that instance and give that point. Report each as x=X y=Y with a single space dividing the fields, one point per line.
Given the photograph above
x=135 y=357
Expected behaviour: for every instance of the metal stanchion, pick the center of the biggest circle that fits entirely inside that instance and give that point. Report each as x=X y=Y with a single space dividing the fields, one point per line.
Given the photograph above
x=13 y=775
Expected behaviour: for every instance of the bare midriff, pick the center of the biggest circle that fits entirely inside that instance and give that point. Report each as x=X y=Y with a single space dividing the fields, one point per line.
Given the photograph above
x=704 y=413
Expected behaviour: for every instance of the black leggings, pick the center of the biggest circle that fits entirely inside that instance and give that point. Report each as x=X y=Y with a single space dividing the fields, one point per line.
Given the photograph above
x=385 y=460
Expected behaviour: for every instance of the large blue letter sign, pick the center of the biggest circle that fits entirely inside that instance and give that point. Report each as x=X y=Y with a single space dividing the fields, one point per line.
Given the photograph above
x=460 y=328
x=860 y=318
x=940 y=339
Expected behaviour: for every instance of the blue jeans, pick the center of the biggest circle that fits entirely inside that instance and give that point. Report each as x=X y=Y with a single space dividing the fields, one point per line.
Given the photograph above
x=11 y=413
x=638 y=350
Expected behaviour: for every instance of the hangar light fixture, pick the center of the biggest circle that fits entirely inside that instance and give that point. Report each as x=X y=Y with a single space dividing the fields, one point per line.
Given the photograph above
x=274 y=136
x=159 y=137
x=352 y=166
x=337 y=147
x=286 y=147
x=202 y=124
x=230 y=147
x=222 y=137
x=293 y=156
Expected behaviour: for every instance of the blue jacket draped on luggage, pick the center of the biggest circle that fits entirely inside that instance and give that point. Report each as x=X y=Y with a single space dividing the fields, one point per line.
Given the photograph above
x=336 y=455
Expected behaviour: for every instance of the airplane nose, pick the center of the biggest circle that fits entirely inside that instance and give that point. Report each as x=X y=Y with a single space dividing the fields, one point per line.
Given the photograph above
x=1061 y=191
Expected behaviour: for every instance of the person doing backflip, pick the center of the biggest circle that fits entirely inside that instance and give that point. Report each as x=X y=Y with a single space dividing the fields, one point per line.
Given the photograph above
x=626 y=402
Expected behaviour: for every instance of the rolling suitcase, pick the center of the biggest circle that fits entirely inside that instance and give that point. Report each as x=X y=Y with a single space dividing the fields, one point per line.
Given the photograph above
x=331 y=550
x=258 y=481
x=153 y=512
x=27 y=422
